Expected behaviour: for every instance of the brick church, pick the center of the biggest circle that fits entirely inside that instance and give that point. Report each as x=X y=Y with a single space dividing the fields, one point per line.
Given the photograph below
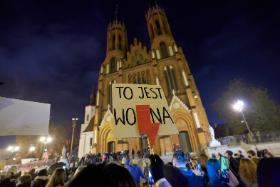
x=162 y=63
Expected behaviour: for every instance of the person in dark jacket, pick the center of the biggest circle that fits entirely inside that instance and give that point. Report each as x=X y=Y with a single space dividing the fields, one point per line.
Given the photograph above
x=174 y=176
x=233 y=163
x=268 y=172
x=25 y=181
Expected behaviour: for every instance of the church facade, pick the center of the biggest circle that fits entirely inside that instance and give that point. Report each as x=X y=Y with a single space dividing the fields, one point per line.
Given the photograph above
x=164 y=64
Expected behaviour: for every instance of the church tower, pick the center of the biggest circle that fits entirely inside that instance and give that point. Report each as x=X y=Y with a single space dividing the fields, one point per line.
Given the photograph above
x=159 y=29
x=163 y=63
x=175 y=77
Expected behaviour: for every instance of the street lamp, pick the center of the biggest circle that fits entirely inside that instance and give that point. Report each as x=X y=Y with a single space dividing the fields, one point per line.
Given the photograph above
x=239 y=106
x=13 y=148
x=74 y=123
x=45 y=140
x=32 y=148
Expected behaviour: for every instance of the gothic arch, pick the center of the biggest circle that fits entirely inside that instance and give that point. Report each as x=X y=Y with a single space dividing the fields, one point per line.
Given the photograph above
x=163 y=49
x=184 y=122
x=105 y=136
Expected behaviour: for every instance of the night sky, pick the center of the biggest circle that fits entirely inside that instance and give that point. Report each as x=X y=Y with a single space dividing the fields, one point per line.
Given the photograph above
x=51 y=50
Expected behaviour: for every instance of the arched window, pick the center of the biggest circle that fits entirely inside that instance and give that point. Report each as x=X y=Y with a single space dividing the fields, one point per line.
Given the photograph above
x=113 y=65
x=173 y=78
x=170 y=79
x=165 y=27
x=120 y=42
x=152 y=31
x=158 y=30
x=113 y=41
x=163 y=50
x=109 y=96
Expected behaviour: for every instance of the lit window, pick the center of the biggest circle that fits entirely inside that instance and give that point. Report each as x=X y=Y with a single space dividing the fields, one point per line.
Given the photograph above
x=170 y=50
x=153 y=55
x=175 y=48
x=158 y=54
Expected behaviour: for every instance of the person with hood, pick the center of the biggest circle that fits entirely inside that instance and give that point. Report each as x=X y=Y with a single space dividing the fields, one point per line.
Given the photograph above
x=233 y=163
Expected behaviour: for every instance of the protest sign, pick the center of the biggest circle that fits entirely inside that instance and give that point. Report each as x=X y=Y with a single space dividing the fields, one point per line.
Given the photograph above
x=141 y=109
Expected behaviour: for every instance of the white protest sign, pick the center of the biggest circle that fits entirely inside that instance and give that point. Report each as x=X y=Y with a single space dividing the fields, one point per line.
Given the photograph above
x=143 y=104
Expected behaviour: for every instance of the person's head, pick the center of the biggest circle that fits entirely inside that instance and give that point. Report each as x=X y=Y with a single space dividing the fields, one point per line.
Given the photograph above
x=117 y=176
x=57 y=178
x=248 y=169
x=213 y=156
x=179 y=159
x=43 y=172
x=267 y=154
x=25 y=179
x=251 y=153
x=228 y=154
x=7 y=182
x=203 y=159
x=84 y=177
x=174 y=176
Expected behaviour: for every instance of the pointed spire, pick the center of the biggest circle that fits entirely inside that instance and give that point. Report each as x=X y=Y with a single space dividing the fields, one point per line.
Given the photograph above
x=152 y=3
x=116 y=11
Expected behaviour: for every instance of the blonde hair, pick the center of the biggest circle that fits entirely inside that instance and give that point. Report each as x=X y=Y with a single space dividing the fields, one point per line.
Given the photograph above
x=57 y=178
x=248 y=169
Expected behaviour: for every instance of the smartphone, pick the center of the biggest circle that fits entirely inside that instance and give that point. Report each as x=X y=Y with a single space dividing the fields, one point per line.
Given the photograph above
x=150 y=178
x=224 y=169
x=224 y=163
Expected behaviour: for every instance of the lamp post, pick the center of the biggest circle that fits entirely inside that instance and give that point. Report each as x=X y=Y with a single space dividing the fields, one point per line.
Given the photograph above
x=74 y=123
x=45 y=140
x=32 y=148
x=239 y=106
x=13 y=149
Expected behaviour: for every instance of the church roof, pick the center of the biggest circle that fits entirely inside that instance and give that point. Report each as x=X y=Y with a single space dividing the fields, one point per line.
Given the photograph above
x=89 y=127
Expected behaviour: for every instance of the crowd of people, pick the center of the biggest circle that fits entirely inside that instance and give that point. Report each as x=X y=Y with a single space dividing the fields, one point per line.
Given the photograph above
x=126 y=169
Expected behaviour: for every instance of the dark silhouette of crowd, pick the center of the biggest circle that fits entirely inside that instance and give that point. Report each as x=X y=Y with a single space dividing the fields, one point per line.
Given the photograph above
x=256 y=169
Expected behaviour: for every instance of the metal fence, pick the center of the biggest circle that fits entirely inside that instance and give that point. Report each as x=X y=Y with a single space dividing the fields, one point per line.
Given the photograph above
x=256 y=137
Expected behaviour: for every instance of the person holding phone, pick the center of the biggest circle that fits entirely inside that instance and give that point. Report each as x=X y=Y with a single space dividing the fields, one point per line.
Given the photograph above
x=156 y=172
